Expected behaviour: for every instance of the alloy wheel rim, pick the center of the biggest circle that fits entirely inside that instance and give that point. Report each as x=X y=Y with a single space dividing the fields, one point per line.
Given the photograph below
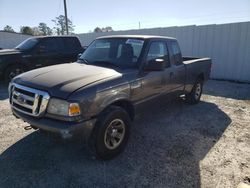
x=197 y=91
x=114 y=134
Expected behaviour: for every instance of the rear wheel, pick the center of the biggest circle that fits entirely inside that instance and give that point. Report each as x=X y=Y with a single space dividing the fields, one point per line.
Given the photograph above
x=195 y=95
x=111 y=133
x=13 y=71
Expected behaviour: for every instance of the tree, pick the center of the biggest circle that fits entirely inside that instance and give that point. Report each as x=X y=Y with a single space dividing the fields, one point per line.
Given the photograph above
x=26 y=30
x=8 y=29
x=60 y=27
x=97 y=30
x=107 y=29
x=104 y=29
x=36 y=31
x=44 y=29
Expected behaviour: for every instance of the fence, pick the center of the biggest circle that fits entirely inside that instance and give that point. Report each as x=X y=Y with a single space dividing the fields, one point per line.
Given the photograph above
x=10 y=40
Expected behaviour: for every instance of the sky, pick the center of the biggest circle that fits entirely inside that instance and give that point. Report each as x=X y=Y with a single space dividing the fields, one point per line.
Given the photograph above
x=123 y=15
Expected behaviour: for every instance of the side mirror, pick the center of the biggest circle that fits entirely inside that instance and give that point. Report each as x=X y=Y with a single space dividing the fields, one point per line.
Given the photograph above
x=84 y=48
x=79 y=55
x=155 y=65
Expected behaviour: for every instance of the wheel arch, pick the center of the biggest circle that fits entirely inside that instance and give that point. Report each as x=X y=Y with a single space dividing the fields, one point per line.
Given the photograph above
x=201 y=77
x=13 y=64
x=125 y=104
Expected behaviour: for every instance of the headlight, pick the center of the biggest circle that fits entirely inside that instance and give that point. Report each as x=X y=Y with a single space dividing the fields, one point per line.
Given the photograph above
x=63 y=108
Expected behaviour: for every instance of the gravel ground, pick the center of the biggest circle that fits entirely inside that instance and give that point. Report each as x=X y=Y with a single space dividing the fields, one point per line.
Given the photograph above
x=171 y=145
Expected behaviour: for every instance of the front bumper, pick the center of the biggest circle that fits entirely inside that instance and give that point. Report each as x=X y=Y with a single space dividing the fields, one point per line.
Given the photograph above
x=63 y=128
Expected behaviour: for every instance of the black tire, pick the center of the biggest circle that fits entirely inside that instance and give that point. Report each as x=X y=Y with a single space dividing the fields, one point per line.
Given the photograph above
x=195 y=95
x=100 y=146
x=13 y=71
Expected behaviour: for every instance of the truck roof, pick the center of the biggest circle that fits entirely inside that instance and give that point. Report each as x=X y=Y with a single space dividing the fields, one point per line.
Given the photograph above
x=60 y=36
x=137 y=36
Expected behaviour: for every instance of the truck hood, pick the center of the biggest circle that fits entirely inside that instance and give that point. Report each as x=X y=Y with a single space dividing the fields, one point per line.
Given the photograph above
x=61 y=80
x=9 y=52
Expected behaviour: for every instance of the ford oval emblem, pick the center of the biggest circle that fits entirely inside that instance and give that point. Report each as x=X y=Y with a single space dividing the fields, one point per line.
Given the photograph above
x=21 y=99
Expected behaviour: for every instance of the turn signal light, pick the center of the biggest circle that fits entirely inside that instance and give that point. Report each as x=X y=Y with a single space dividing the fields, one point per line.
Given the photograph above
x=74 y=109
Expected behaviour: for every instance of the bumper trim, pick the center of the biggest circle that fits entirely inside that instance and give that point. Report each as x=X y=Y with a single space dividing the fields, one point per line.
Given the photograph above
x=63 y=128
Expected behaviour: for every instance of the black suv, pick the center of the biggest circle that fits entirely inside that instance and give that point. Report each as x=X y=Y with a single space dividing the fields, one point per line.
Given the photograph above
x=38 y=52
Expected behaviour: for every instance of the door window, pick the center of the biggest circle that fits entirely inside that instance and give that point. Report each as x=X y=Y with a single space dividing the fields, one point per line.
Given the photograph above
x=48 y=45
x=158 y=50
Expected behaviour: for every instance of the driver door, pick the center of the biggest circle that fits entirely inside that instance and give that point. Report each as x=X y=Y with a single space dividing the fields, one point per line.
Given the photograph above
x=153 y=82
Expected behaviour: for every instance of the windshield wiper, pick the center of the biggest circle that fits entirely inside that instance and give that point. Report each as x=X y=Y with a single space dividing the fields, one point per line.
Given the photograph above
x=84 y=60
x=104 y=62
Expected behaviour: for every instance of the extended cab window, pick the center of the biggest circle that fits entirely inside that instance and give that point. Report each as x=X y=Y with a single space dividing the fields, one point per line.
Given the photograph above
x=158 y=50
x=177 y=58
x=48 y=45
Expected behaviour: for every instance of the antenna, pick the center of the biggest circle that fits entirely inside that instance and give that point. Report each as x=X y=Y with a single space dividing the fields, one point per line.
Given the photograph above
x=66 y=17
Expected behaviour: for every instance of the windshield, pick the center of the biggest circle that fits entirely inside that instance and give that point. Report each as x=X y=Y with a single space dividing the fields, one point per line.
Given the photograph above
x=119 y=52
x=27 y=44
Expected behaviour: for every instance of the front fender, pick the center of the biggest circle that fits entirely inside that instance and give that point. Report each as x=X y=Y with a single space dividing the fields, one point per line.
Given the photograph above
x=109 y=97
x=93 y=100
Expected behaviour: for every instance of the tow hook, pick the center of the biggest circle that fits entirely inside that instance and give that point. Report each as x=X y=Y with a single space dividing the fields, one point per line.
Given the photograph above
x=27 y=128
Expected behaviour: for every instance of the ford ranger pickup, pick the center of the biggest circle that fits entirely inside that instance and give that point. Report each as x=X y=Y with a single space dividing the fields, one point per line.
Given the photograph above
x=97 y=96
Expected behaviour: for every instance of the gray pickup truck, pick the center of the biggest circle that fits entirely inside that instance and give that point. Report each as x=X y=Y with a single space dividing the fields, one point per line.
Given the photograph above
x=97 y=97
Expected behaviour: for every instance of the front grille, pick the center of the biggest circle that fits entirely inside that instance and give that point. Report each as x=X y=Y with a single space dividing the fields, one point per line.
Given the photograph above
x=27 y=100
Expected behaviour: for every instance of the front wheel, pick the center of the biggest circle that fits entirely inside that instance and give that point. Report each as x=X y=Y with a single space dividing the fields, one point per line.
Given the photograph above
x=111 y=133
x=195 y=95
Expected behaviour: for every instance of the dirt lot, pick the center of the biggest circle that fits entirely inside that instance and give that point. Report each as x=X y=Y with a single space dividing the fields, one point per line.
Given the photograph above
x=171 y=145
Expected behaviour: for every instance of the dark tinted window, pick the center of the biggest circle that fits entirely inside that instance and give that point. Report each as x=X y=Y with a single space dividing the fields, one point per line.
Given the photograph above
x=48 y=45
x=158 y=50
x=27 y=44
x=176 y=53
x=71 y=44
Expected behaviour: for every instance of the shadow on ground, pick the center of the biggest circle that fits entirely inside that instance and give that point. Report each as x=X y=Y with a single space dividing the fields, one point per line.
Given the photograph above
x=3 y=91
x=227 y=89
x=165 y=147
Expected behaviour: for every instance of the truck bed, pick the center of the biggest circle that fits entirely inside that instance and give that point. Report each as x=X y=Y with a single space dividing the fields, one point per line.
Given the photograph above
x=187 y=59
x=195 y=67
